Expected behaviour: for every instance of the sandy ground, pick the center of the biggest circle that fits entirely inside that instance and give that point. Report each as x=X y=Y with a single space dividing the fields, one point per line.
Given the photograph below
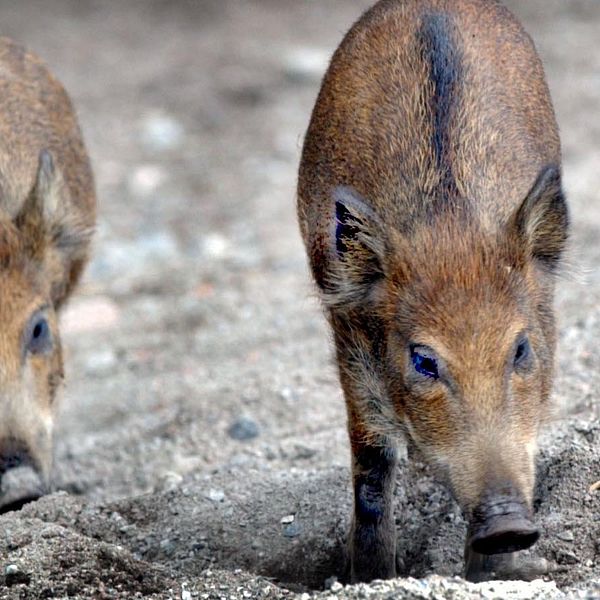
x=202 y=405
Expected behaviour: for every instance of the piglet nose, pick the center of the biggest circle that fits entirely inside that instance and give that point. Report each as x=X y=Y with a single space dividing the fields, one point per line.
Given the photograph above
x=500 y=525
x=20 y=481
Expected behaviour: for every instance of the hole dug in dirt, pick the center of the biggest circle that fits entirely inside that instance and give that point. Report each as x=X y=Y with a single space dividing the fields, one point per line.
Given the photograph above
x=236 y=520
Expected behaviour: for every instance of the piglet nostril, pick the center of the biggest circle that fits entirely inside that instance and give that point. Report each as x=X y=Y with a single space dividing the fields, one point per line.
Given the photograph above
x=10 y=461
x=13 y=454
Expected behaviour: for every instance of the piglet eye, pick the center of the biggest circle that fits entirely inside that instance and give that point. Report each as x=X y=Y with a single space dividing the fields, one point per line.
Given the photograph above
x=424 y=364
x=39 y=329
x=39 y=337
x=522 y=353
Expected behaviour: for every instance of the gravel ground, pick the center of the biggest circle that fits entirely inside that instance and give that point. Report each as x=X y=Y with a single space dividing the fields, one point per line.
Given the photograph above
x=201 y=450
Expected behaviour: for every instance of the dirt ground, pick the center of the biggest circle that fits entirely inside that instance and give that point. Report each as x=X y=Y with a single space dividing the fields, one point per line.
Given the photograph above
x=201 y=449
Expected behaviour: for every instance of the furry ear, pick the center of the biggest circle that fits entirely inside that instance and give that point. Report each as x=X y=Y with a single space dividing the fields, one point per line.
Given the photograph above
x=52 y=227
x=542 y=220
x=49 y=187
x=357 y=249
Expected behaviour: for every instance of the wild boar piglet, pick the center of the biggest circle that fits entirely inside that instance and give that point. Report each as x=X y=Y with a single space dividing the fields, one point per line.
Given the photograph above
x=47 y=215
x=431 y=208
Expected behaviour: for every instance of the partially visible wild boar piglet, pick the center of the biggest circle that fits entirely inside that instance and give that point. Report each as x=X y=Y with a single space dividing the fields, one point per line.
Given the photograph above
x=47 y=214
x=430 y=204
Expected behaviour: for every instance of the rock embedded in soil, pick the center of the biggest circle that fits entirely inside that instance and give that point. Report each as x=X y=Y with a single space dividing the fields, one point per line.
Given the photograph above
x=216 y=495
x=243 y=429
x=292 y=530
x=13 y=575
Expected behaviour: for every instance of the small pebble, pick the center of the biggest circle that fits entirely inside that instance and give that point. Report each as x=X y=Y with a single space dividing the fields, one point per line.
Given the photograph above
x=568 y=558
x=216 y=495
x=243 y=429
x=336 y=586
x=292 y=530
x=162 y=132
x=145 y=179
x=566 y=536
x=288 y=394
x=167 y=546
x=303 y=452
x=270 y=453
x=215 y=246
x=169 y=481
x=287 y=519
x=102 y=362
x=14 y=576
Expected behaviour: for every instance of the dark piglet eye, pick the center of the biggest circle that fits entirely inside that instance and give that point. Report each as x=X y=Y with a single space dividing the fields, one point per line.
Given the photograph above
x=39 y=336
x=423 y=364
x=522 y=353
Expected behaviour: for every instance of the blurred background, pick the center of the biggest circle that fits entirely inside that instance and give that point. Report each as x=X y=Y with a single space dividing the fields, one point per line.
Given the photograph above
x=199 y=368
x=196 y=341
x=196 y=338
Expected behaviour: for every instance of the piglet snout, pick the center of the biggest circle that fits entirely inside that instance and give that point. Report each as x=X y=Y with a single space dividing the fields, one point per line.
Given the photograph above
x=20 y=478
x=501 y=524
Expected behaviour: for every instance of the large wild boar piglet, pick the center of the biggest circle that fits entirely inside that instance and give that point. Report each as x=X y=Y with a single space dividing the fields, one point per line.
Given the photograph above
x=430 y=204
x=47 y=215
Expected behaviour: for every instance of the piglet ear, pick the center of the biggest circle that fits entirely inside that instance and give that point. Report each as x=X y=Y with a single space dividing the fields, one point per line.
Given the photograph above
x=31 y=221
x=357 y=227
x=52 y=226
x=357 y=249
x=49 y=187
x=42 y=207
x=542 y=220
